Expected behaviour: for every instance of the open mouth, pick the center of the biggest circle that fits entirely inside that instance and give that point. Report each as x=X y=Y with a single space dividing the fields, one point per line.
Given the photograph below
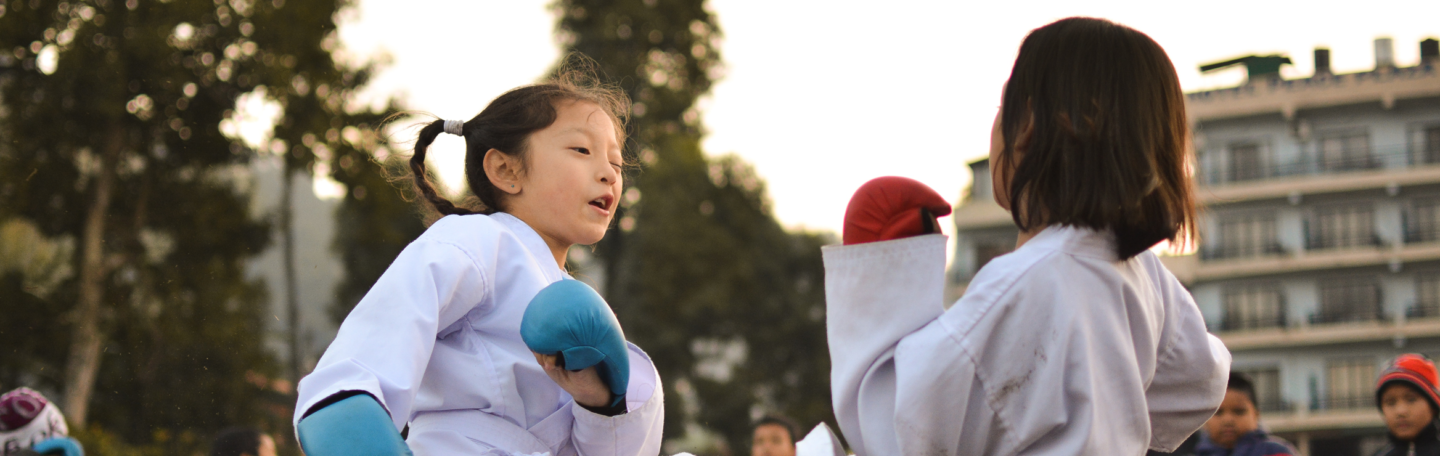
x=603 y=202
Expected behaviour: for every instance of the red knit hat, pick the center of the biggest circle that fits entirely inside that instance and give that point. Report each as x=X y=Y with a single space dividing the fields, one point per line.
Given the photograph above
x=1415 y=370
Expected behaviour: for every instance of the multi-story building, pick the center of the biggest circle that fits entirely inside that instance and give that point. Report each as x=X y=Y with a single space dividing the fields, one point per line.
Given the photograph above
x=1318 y=255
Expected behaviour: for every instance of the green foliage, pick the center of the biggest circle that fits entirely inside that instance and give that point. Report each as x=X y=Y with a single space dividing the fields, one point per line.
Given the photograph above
x=143 y=88
x=374 y=222
x=700 y=270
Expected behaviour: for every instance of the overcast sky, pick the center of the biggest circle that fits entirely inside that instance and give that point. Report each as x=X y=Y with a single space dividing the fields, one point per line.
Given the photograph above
x=823 y=95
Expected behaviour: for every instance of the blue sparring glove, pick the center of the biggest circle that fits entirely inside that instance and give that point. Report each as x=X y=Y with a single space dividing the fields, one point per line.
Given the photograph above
x=61 y=446
x=353 y=426
x=570 y=319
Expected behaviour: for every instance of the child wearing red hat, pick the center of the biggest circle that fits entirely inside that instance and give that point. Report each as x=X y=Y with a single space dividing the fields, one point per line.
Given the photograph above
x=1406 y=395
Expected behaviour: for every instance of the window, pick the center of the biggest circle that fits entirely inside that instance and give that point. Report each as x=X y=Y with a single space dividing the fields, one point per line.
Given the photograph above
x=1267 y=389
x=1253 y=305
x=1352 y=384
x=1427 y=295
x=1432 y=144
x=1422 y=223
x=1343 y=225
x=1246 y=162
x=1345 y=299
x=1245 y=235
x=1346 y=151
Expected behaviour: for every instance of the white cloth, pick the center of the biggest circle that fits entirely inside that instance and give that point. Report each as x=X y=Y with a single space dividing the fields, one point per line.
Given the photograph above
x=437 y=341
x=1056 y=348
x=821 y=441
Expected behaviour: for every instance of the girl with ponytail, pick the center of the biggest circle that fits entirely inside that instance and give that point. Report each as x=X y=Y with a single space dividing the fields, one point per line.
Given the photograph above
x=436 y=344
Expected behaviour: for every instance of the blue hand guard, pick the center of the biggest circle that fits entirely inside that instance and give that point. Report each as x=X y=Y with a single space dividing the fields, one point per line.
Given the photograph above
x=571 y=319
x=354 y=426
x=60 y=446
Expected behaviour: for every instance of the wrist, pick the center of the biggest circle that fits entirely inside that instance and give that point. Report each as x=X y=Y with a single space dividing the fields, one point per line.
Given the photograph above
x=614 y=407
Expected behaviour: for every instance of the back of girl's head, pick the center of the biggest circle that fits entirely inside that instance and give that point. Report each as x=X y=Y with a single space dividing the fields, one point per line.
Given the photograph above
x=506 y=125
x=1108 y=142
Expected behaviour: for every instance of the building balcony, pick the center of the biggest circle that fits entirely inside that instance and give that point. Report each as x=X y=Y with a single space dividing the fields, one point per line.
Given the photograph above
x=1313 y=243
x=1191 y=269
x=1230 y=323
x=1396 y=157
x=1316 y=331
x=1302 y=420
x=1230 y=252
x=1289 y=186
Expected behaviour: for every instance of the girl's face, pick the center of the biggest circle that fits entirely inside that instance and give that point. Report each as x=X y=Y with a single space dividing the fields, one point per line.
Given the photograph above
x=571 y=182
x=1406 y=412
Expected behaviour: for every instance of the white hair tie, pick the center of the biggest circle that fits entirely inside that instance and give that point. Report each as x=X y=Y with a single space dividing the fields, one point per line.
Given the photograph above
x=455 y=127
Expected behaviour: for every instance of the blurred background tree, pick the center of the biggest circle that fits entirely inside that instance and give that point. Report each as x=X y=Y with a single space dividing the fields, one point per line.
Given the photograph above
x=125 y=217
x=729 y=304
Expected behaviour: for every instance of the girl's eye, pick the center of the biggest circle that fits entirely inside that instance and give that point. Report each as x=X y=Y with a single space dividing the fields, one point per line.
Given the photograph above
x=581 y=150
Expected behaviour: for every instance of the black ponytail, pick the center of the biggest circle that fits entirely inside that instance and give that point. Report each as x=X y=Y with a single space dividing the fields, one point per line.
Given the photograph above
x=417 y=165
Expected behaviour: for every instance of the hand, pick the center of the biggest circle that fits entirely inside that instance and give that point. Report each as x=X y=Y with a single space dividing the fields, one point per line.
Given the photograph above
x=584 y=385
x=892 y=207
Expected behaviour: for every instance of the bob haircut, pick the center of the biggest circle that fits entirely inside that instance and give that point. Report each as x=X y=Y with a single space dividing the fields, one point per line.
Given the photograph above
x=1108 y=145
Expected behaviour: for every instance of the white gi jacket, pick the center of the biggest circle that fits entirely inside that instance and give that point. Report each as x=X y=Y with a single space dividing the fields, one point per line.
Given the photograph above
x=437 y=341
x=1056 y=348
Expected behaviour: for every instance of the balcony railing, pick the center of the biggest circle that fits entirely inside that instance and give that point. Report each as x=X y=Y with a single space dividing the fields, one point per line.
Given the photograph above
x=1230 y=323
x=1349 y=313
x=1358 y=401
x=1313 y=242
x=1418 y=234
x=1230 y=251
x=1274 y=405
x=1310 y=164
x=1423 y=309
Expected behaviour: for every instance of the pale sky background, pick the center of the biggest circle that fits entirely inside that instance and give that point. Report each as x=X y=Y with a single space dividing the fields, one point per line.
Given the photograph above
x=821 y=96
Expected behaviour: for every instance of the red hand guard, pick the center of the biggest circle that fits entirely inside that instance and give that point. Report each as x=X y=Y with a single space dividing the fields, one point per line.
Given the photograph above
x=891 y=208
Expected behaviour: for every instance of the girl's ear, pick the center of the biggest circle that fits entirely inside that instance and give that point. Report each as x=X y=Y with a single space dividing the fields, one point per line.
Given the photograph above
x=503 y=170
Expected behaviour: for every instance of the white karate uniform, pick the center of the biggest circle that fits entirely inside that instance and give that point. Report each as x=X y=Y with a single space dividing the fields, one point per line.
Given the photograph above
x=1056 y=348
x=437 y=341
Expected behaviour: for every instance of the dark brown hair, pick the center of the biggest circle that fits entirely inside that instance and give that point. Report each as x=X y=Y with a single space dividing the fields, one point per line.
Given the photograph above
x=506 y=124
x=1108 y=148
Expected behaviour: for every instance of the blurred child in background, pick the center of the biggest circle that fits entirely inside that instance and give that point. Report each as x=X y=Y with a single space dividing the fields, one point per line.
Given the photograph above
x=1235 y=428
x=1406 y=395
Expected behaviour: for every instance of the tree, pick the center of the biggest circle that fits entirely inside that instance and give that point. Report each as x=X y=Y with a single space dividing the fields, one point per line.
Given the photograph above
x=729 y=305
x=375 y=220
x=112 y=114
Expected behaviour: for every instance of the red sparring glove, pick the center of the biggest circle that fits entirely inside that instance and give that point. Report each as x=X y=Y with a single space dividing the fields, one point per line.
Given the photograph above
x=892 y=207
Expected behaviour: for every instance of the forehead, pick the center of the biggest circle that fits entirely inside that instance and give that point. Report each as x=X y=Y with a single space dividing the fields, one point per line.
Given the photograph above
x=584 y=118
x=771 y=428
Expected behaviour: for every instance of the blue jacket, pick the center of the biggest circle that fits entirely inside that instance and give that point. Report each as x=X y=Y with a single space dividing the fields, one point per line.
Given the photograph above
x=1255 y=443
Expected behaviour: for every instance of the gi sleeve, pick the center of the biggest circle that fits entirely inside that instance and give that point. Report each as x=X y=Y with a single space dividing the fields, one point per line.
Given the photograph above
x=1190 y=371
x=636 y=432
x=876 y=295
x=384 y=345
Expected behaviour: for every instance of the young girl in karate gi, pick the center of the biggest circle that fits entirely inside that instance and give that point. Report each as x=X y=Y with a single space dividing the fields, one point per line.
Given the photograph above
x=1079 y=341
x=436 y=342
